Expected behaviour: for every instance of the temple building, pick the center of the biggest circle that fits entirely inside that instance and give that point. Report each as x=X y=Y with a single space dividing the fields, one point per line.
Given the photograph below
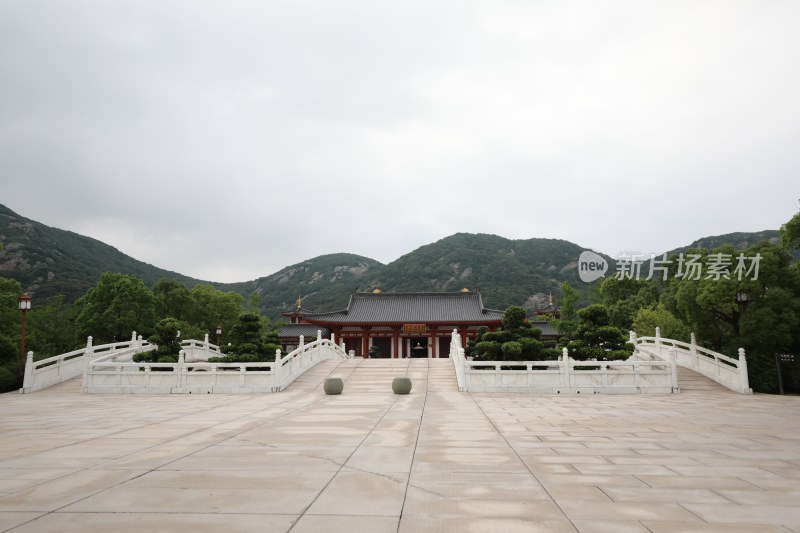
x=550 y=310
x=398 y=325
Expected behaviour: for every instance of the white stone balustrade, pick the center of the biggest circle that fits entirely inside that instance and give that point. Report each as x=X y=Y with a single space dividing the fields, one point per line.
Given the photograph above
x=564 y=376
x=202 y=377
x=727 y=371
x=53 y=370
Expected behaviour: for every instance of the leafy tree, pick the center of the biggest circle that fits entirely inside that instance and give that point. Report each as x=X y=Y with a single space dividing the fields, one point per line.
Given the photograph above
x=790 y=232
x=595 y=338
x=213 y=307
x=52 y=329
x=648 y=318
x=167 y=340
x=116 y=306
x=569 y=299
x=10 y=291
x=253 y=339
x=173 y=299
x=515 y=341
x=10 y=373
x=768 y=323
x=254 y=302
x=9 y=363
x=514 y=318
x=624 y=297
x=489 y=349
x=512 y=350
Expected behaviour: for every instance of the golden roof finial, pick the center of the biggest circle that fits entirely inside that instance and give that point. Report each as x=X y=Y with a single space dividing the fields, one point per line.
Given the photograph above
x=299 y=303
x=551 y=296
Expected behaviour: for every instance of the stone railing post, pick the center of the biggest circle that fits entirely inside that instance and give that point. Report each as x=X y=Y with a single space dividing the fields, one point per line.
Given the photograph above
x=455 y=341
x=87 y=359
x=658 y=336
x=277 y=368
x=302 y=341
x=333 y=338
x=181 y=369
x=744 y=379
x=632 y=337
x=319 y=334
x=693 y=349
x=565 y=367
x=133 y=339
x=673 y=361
x=27 y=381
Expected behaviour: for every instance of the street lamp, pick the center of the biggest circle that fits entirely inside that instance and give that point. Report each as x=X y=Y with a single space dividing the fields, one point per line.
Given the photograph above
x=219 y=332
x=742 y=299
x=24 y=307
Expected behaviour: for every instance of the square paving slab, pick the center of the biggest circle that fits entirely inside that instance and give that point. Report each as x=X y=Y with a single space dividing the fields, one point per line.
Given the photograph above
x=704 y=460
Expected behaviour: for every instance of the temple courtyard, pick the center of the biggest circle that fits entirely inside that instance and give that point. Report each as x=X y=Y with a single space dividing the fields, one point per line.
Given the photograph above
x=706 y=459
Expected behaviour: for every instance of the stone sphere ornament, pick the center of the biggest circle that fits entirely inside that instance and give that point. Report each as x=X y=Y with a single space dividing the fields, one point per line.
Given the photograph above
x=401 y=385
x=333 y=386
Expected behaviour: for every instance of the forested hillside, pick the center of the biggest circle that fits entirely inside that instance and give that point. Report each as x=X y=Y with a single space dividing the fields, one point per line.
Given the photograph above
x=508 y=272
x=50 y=261
x=323 y=283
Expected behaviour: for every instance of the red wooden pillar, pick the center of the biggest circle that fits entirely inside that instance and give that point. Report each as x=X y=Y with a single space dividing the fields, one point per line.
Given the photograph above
x=365 y=343
x=463 y=333
x=434 y=341
x=395 y=343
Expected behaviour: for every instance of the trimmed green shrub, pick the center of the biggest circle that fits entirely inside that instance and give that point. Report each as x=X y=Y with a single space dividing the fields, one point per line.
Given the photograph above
x=511 y=350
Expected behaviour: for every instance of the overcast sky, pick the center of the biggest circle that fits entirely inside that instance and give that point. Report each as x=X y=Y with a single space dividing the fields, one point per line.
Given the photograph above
x=227 y=140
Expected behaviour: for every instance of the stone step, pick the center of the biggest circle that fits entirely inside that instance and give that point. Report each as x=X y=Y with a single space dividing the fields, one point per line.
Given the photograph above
x=689 y=380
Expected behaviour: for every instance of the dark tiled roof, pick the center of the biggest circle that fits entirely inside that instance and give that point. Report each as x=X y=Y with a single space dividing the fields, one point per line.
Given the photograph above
x=404 y=308
x=546 y=328
x=309 y=331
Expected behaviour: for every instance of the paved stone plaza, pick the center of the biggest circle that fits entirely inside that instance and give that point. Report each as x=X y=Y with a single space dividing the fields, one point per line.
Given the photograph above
x=436 y=460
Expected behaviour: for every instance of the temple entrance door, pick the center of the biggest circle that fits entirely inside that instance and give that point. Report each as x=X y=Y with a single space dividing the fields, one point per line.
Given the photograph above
x=419 y=347
x=354 y=344
x=444 y=347
x=384 y=345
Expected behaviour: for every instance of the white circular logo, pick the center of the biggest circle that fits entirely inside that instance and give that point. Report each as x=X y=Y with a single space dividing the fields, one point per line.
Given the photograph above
x=591 y=266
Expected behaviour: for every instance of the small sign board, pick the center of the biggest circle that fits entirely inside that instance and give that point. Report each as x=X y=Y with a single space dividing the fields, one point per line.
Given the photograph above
x=786 y=358
x=414 y=328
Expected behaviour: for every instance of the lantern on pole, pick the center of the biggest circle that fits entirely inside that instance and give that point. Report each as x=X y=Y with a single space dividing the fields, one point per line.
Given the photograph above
x=24 y=307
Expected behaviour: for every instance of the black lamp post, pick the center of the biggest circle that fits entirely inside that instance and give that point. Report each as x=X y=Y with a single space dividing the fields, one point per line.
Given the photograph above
x=219 y=332
x=742 y=299
x=24 y=307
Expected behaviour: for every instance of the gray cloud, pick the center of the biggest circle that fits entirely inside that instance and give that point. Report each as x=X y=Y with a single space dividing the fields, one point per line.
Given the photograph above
x=226 y=142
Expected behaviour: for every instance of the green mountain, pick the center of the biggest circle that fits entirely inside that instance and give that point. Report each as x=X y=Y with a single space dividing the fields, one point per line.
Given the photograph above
x=49 y=261
x=508 y=272
x=323 y=283
x=740 y=240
